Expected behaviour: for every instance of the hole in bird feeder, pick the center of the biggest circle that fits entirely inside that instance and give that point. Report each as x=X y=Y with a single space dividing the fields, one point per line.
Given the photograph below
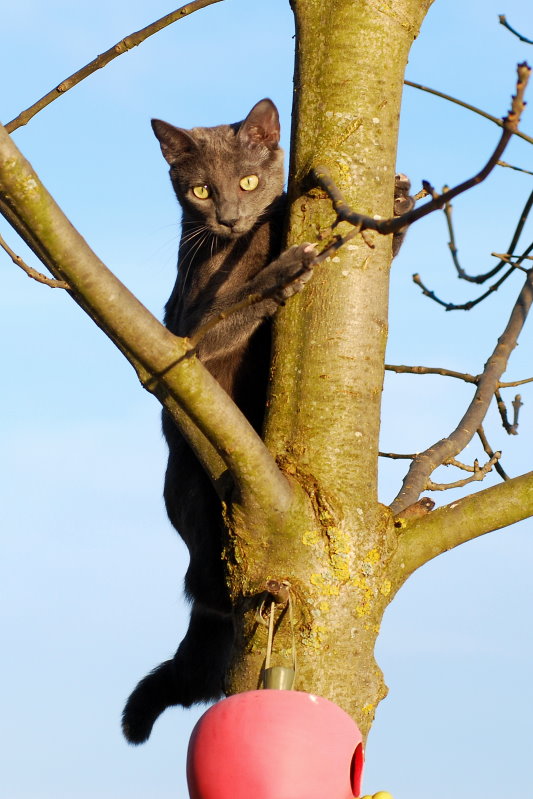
x=356 y=769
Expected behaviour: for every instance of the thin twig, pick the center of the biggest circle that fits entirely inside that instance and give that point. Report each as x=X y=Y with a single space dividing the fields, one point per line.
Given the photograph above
x=516 y=168
x=480 y=473
x=517 y=404
x=451 y=244
x=420 y=195
x=30 y=271
x=504 y=259
x=507 y=257
x=430 y=370
x=466 y=306
x=102 y=60
x=505 y=24
x=490 y=452
x=460 y=465
x=438 y=370
x=502 y=410
x=251 y=299
x=496 y=120
x=275 y=293
x=516 y=383
x=397 y=456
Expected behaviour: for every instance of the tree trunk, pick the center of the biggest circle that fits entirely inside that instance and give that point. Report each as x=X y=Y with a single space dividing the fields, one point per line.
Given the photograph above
x=334 y=545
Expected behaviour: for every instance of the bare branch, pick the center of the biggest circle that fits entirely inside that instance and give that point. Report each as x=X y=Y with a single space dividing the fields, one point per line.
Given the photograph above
x=30 y=271
x=102 y=60
x=463 y=520
x=424 y=464
x=496 y=120
x=465 y=306
x=438 y=370
x=479 y=473
x=503 y=259
x=505 y=24
x=515 y=383
x=490 y=452
x=464 y=466
x=431 y=370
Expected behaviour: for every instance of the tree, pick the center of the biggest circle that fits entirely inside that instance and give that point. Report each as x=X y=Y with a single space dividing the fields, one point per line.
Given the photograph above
x=324 y=479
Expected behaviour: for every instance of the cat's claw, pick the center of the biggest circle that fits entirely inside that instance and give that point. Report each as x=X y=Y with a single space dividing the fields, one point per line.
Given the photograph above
x=403 y=203
x=293 y=269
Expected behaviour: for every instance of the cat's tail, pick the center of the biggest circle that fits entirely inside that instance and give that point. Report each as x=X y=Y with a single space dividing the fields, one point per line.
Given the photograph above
x=195 y=674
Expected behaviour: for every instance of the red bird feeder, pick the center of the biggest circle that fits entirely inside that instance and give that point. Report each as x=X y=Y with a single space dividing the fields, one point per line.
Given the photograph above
x=274 y=744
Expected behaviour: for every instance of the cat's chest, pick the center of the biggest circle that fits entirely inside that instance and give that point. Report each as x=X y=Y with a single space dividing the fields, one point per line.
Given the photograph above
x=220 y=276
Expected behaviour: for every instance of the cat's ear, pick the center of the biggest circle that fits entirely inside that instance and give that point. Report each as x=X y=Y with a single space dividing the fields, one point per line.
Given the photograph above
x=261 y=126
x=175 y=142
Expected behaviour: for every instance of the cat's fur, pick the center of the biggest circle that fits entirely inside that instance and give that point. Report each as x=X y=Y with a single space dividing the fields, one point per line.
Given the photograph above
x=229 y=249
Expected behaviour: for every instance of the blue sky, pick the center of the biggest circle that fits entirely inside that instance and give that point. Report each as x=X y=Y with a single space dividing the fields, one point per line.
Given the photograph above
x=90 y=568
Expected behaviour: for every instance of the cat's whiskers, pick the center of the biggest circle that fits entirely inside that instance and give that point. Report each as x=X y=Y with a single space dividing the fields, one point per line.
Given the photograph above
x=193 y=248
x=214 y=241
x=192 y=234
x=191 y=254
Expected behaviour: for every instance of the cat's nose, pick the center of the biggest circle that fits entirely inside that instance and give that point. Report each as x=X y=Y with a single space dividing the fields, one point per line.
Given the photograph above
x=227 y=220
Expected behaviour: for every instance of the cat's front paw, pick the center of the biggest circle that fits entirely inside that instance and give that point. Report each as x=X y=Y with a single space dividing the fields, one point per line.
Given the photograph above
x=403 y=202
x=290 y=272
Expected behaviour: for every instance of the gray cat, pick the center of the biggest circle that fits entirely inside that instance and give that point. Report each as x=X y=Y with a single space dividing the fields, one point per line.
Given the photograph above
x=229 y=182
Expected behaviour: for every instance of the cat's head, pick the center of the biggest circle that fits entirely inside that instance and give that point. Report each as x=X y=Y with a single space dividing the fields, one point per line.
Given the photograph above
x=227 y=176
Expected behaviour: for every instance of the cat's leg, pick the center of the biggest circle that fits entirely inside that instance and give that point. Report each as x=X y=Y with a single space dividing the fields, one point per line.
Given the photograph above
x=403 y=202
x=195 y=512
x=195 y=674
x=274 y=284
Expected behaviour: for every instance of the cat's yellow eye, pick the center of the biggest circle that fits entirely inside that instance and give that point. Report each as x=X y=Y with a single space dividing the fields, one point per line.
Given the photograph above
x=202 y=192
x=249 y=183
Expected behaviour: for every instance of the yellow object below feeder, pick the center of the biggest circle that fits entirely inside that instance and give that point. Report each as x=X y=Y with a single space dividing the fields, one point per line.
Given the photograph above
x=378 y=795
